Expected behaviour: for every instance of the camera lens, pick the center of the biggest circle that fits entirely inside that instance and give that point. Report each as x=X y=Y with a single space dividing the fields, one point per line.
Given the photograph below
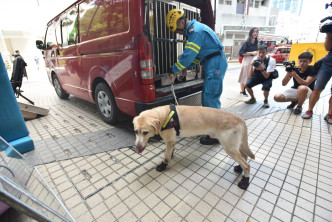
x=256 y=64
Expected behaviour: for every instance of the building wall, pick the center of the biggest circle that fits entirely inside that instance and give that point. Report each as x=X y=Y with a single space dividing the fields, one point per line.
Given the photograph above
x=234 y=26
x=23 y=41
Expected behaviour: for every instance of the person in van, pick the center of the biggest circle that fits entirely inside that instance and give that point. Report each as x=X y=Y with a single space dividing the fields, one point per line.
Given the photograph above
x=203 y=46
x=248 y=51
x=324 y=74
x=304 y=81
x=260 y=70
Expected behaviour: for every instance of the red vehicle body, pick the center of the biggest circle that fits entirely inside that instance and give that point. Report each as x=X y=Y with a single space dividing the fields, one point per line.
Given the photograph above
x=271 y=44
x=280 y=54
x=117 y=54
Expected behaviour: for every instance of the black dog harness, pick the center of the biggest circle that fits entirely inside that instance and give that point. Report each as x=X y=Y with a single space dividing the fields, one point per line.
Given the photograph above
x=172 y=120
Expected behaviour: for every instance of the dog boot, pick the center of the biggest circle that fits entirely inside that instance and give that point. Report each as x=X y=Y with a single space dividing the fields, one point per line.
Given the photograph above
x=161 y=167
x=244 y=183
x=238 y=169
x=207 y=140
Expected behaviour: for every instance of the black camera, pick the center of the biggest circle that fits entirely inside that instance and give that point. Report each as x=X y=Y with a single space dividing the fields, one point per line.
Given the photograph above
x=290 y=66
x=257 y=62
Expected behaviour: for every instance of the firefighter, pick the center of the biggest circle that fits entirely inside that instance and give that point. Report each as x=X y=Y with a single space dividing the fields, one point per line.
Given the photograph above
x=203 y=46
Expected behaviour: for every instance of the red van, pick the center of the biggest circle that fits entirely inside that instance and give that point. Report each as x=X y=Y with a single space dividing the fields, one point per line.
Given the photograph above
x=280 y=54
x=117 y=54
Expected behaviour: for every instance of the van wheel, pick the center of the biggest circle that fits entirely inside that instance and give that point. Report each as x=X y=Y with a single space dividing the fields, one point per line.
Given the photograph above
x=105 y=103
x=58 y=89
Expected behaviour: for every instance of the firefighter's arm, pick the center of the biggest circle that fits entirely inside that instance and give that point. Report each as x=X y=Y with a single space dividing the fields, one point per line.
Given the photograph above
x=190 y=52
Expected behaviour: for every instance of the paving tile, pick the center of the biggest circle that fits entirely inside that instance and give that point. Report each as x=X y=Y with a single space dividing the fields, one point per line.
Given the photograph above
x=203 y=208
x=285 y=205
x=119 y=210
x=265 y=205
x=281 y=214
x=194 y=216
x=161 y=209
x=150 y=216
x=224 y=207
x=323 y=213
x=216 y=216
x=259 y=215
x=99 y=210
x=238 y=215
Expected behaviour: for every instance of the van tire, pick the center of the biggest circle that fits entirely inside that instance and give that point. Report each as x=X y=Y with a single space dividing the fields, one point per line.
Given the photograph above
x=105 y=103
x=58 y=88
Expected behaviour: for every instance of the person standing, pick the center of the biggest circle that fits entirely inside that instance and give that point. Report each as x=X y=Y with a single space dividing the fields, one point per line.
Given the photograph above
x=247 y=51
x=19 y=70
x=203 y=46
x=324 y=75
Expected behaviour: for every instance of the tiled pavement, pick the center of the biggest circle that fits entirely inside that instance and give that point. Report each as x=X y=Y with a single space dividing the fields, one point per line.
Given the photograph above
x=95 y=172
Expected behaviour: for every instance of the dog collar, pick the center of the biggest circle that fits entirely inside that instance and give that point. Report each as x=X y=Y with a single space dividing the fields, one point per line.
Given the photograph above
x=172 y=120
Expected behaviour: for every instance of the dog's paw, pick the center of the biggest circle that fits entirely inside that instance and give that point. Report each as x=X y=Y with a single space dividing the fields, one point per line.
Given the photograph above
x=238 y=169
x=161 y=167
x=244 y=183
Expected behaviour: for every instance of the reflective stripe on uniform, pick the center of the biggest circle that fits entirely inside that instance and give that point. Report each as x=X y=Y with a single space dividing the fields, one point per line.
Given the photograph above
x=193 y=46
x=196 y=61
x=179 y=66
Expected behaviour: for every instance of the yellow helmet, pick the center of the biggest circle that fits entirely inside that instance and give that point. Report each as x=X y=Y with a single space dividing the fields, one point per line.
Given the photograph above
x=172 y=18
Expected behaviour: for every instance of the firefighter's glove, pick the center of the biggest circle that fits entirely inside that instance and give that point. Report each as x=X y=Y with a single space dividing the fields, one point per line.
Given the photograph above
x=184 y=72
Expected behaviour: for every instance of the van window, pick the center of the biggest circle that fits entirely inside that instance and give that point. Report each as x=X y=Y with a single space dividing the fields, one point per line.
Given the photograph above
x=50 y=36
x=58 y=31
x=69 y=27
x=102 y=18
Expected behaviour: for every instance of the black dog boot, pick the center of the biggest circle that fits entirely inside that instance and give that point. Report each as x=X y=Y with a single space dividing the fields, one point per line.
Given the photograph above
x=207 y=140
x=161 y=167
x=238 y=169
x=244 y=183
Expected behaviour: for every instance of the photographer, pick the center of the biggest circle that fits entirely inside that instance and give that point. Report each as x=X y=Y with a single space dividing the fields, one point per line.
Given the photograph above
x=324 y=73
x=304 y=81
x=260 y=69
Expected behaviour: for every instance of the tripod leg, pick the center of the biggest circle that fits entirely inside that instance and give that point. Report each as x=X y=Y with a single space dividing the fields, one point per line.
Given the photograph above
x=25 y=98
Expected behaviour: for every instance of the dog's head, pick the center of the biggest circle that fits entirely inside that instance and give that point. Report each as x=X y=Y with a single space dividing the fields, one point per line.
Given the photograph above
x=145 y=126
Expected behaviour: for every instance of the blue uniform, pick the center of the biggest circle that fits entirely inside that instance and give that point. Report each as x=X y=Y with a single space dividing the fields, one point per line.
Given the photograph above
x=202 y=41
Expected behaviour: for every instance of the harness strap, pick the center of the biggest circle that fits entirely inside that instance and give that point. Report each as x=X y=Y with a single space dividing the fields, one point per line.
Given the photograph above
x=172 y=120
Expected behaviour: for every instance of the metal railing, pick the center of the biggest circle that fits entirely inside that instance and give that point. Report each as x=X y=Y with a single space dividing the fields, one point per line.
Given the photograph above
x=24 y=188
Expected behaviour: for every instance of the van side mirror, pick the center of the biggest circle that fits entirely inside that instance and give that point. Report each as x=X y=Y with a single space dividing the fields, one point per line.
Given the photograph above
x=40 y=44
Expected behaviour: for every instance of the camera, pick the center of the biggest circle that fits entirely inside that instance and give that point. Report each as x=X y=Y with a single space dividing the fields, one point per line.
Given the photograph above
x=290 y=66
x=257 y=62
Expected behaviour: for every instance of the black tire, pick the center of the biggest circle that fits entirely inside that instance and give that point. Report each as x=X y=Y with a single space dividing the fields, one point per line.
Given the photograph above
x=58 y=88
x=105 y=103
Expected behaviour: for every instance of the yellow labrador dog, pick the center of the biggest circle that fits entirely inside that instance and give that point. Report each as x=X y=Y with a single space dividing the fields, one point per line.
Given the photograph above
x=229 y=129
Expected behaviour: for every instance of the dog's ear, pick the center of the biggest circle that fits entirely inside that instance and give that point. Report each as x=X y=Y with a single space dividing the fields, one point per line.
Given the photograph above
x=156 y=125
x=135 y=121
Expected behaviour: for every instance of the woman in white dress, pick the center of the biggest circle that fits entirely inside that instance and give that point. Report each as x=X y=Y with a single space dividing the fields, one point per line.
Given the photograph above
x=248 y=51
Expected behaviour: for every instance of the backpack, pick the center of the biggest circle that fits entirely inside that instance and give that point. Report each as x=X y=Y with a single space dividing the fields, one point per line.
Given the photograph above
x=275 y=73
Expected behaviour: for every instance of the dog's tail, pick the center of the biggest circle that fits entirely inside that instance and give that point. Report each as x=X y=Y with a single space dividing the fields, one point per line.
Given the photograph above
x=244 y=146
